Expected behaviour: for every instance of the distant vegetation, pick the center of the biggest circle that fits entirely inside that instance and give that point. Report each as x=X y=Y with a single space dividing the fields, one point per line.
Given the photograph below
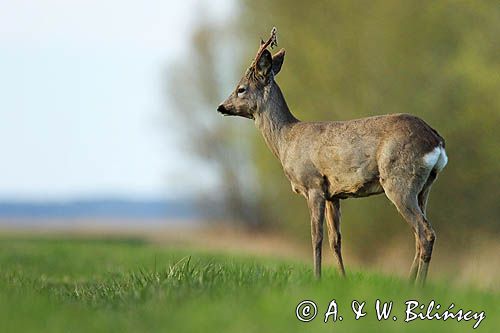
x=100 y=208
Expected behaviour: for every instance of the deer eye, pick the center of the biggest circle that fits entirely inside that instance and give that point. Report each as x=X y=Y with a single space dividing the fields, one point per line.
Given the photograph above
x=240 y=90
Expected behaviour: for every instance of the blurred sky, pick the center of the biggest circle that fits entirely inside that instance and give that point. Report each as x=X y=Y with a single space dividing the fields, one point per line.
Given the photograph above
x=82 y=96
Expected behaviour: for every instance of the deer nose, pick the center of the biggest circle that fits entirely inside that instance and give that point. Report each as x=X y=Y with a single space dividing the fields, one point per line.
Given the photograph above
x=221 y=108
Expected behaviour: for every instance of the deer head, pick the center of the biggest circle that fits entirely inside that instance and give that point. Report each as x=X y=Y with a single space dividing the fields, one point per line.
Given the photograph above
x=250 y=93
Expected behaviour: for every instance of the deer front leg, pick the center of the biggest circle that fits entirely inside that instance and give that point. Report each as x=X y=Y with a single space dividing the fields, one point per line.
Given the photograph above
x=333 y=224
x=316 y=203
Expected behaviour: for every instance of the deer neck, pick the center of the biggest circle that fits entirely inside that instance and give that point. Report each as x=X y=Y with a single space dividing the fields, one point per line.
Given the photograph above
x=274 y=120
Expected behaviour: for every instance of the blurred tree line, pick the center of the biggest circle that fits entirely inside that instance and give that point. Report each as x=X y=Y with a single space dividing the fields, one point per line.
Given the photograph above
x=349 y=59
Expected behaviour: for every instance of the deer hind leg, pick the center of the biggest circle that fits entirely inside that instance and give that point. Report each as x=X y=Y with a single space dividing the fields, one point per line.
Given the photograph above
x=416 y=260
x=404 y=197
x=332 y=212
x=424 y=193
x=428 y=233
x=427 y=238
x=422 y=203
x=316 y=203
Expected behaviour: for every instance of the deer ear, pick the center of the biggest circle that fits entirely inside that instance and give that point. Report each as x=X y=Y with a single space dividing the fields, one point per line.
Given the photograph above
x=264 y=64
x=278 y=59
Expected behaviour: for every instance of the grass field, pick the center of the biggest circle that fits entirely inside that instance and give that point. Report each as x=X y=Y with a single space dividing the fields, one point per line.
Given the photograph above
x=129 y=285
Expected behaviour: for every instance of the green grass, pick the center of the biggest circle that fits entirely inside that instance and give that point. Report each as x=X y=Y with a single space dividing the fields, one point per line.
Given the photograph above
x=75 y=285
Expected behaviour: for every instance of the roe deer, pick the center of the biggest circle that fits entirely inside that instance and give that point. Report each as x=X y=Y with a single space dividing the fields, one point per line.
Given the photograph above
x=397 y=154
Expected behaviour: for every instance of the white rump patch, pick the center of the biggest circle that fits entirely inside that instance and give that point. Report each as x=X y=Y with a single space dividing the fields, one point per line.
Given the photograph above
x=442 y=161
x=436 y=159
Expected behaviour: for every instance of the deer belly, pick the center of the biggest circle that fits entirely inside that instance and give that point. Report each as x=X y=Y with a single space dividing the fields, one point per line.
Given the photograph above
x=353 y=187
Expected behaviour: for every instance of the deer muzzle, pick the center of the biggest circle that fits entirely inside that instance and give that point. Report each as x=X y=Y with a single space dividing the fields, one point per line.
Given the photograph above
x=223 y=110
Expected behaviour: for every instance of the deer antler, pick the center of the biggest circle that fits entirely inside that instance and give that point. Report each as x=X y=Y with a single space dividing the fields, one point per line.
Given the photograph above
x=271 y=42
